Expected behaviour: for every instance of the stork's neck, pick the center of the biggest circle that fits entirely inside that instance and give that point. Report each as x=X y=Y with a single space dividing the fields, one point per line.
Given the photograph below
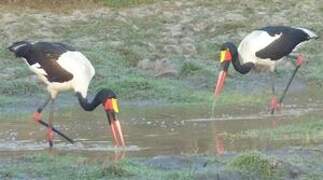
x=98 y=99
x=241 y=68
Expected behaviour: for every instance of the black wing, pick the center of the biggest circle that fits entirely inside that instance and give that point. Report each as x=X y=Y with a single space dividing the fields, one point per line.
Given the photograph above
x=289 y=39
x=46 y=55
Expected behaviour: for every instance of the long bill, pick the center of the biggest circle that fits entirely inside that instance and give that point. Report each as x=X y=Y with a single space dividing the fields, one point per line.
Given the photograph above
x=225 y=59
x=220 y=83
x=111 y=108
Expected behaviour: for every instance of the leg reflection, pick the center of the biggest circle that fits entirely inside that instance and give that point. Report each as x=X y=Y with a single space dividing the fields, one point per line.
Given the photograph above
x=119 y=155
x=218 y=141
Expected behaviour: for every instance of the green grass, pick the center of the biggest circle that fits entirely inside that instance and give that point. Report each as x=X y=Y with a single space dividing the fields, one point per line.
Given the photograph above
x=253 y=163
x=310 y=129
x=55 y=166
x=249 y=165
x=189 y=69
x=126 y=3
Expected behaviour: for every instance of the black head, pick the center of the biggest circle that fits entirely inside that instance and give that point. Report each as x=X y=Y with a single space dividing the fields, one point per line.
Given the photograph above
x=227 y=52
x=231 y=47
x=20 y=48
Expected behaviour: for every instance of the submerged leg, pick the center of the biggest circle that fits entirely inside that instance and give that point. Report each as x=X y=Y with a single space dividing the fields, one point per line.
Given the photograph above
x=299 y=62
x=50 y=133
x=274 y=105
x=50 y=129
x=37 y=117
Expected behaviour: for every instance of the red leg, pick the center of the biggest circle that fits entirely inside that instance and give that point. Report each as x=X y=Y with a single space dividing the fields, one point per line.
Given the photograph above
x=275 y=105
x=299 y=60
x=37 y=116
x=50 y=134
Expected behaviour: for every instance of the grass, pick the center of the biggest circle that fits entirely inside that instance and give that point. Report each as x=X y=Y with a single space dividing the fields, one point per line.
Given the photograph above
x=306 y=130
x=189 y=69
x=253 y=163
x=248 y=165
x=126 y=3
x=55 y=166
x=118 y=39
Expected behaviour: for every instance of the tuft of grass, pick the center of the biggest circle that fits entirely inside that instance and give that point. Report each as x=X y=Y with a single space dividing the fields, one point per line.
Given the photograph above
x=189 y=68
x=117 y=169
x=131 y=57
x=253 y=163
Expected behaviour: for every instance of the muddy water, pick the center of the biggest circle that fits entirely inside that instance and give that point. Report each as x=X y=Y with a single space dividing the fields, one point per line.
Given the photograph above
x=151 y=131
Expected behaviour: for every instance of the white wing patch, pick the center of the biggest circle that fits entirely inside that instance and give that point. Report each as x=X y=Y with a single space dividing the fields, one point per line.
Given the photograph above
x=15 y=48
x=254 y=42
x=36 y=68
x=309 y=32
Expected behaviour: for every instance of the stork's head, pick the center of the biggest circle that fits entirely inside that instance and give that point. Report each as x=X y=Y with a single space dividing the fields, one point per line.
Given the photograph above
x=228 y=50
x=20 y=48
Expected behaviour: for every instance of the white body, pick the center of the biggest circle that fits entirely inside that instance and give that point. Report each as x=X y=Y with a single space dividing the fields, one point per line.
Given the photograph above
x=75 y=63
x=254 y=42
x=258 y=40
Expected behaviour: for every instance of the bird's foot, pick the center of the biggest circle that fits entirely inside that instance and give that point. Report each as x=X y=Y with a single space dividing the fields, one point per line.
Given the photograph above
x=299 y=60
x=37 y=116
x=274 y=105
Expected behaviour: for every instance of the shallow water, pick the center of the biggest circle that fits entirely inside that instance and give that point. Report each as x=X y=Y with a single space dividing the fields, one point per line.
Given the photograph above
x=151 y=131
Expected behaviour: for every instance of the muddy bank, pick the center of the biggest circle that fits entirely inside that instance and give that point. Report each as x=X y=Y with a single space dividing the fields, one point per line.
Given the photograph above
x=276 y=164
x=286 y=163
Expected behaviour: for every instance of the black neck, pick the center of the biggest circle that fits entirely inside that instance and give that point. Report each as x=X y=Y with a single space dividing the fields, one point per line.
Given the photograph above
x=99 y=98
x=241 y=68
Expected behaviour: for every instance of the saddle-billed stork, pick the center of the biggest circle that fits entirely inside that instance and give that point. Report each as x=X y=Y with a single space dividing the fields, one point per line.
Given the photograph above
x=264 y=48
x=61 y=68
